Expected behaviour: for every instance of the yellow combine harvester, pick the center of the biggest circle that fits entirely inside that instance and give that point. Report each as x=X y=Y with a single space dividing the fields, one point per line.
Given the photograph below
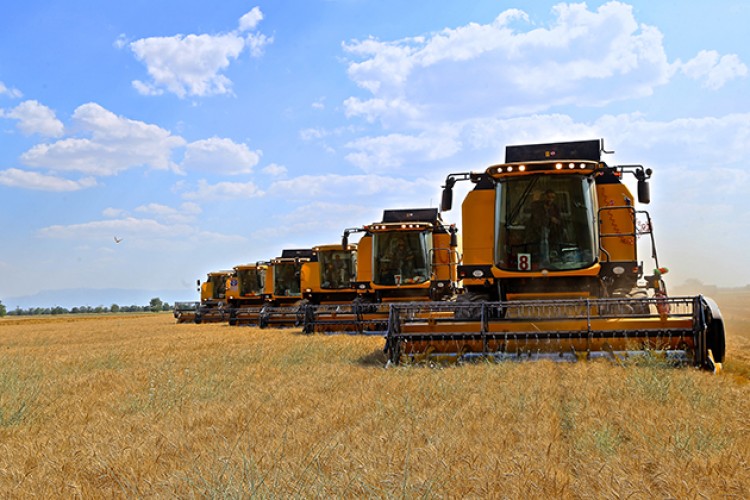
x=409 y=256
x=212 y=307
x=328 y=287
x=245 y=298
x=283 y=289
x=550 y=270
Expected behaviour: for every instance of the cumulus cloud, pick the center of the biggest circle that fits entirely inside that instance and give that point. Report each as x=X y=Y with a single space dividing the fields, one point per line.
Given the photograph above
x=10 y=92
x=24 y=179
x=36 y=118
x=511 y=67
x=115 y=144
x=223 y=191
x=193 y=65
x=220 y=156
x=713 y=69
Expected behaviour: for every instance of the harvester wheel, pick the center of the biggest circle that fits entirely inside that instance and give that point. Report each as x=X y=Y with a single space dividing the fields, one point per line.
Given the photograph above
x=715 y=339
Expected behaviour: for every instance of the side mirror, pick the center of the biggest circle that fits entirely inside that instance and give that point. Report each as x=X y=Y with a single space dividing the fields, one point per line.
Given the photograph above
x=447 y=201
x=644 y=192
x=345 y=240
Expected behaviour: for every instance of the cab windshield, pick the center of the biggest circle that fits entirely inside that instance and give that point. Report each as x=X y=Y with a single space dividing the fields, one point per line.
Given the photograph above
x=337 y=268
x=286 y=278
x=219 y=285
x=251 y=281
x=401 y=257
x=545 y=222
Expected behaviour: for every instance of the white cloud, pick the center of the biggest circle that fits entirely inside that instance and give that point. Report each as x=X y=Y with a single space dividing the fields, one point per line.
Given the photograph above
x=250 y=20
x=17 y=178
x=186 y=212
x=297 y=228
x=389 y=152
x=372 y=109
x=713 y=69
x=220 y=156
x=36 y=118
x=223 y=191
x=332 y=186
x=116 y=144
x=145 y=233
x=113 y=213
x=310 y=134
x=10 y=92
x=275 y=170
x=121 y=42
x=584 y=58
x=193 y=65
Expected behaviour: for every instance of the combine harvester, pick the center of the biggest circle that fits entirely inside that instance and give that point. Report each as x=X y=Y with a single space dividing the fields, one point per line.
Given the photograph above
x=410 y=256
x=550 y=271
x=245 y=293
x=212 y=307
x=327 y=282
x=283 y=289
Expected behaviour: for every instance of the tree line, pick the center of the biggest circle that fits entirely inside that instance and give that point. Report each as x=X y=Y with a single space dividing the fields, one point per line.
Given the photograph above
x=155 y=305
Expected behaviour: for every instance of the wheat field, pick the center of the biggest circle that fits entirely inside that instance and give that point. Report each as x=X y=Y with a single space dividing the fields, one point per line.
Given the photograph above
x=137 y=406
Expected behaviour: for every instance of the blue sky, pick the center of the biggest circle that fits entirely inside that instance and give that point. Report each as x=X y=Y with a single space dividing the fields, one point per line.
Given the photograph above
x=209 y=134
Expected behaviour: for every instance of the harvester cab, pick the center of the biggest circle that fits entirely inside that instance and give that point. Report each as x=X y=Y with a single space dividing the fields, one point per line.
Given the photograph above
x=329 y=278
x=551 y=269
x=245 y=298
x=213 y=308
x=283 y=288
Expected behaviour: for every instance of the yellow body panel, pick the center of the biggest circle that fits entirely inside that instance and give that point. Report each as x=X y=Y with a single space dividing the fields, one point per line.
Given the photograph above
x=617 y=217
x=207 y=291
x=478 y=230
x=364 y=258
x=310 y=277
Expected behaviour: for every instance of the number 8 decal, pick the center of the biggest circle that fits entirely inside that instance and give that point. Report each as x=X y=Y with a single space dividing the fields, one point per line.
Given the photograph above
x=524 y=261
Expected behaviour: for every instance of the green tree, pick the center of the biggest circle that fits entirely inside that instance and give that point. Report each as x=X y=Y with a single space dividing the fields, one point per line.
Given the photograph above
x=155 y=304
x=3 y=312
x=114 y=308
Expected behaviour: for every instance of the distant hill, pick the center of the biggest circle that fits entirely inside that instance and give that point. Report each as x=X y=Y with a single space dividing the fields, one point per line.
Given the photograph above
x=77 y=297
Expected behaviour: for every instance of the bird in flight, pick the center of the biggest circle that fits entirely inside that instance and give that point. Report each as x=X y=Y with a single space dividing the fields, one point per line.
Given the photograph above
x=117 y=240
